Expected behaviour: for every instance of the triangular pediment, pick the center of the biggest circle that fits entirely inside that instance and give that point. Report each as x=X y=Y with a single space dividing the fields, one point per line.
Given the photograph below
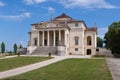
x=50 y=25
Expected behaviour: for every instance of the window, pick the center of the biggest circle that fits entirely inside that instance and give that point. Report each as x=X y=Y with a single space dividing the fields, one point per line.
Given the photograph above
x=89 y=42
x=76 y=40
x=76 y=24
x=89 y=51
x=35 y=41
x=76 y=49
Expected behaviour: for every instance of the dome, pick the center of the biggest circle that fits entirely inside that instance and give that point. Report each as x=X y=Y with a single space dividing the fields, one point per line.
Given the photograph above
x=63 y=17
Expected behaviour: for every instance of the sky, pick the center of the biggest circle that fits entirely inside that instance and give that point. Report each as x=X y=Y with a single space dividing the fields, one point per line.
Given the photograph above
x=16 y=16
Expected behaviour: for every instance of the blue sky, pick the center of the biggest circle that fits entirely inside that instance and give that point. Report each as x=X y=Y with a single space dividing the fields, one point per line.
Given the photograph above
x=17 y=15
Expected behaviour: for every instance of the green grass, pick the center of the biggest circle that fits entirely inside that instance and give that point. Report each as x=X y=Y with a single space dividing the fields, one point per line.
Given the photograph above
x=102 y=56
x=11 y=63
x=69 y=69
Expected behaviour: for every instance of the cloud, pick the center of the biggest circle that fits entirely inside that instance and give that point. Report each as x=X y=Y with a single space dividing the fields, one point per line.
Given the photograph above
x=16 y=17
x=39 y=1
x=77 y=3
x=87 y=4
x=51 y=9
x=30 y=2
x=2 y=4
x=26 y=14
x=23 y=43
x=102 y=31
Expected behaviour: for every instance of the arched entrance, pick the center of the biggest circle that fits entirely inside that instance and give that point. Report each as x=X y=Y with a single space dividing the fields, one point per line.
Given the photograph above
x=89 y=42
x=89 y=51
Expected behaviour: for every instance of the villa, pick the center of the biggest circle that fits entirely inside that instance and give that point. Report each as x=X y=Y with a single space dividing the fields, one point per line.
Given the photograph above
x=62 y=36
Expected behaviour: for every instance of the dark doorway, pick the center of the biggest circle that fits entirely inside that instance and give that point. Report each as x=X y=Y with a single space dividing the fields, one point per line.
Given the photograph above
x=35 y=41
x=45 y=42
x=88 y=51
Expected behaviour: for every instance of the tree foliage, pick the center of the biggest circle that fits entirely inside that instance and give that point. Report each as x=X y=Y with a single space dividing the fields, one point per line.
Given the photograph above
x=112 y=38
x=99 y=42
x=15 y=48
x=2 y=47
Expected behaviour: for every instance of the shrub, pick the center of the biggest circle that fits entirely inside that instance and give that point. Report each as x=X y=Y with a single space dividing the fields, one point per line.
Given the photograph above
x=10 y=53
x=70 y=53
x=49 y=54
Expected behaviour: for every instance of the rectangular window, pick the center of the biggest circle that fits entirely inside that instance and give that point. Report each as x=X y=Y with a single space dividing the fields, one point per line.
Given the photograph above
x=76 y=24
x=76 y=40
x=76 y=49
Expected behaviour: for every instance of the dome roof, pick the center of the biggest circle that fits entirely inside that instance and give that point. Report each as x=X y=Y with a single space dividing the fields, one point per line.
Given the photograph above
x=63 y=16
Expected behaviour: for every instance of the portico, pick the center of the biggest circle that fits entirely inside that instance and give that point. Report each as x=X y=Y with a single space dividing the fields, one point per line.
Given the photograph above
x=51 y=38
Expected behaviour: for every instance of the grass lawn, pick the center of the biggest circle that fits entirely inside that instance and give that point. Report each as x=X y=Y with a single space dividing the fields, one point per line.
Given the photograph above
x=69 y=69
x=10 y=63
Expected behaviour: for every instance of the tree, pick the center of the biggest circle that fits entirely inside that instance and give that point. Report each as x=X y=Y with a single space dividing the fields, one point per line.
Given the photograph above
x=112 y=38
x=105 y=40
x=15 y=48
x=2 y=47
x=99 y=42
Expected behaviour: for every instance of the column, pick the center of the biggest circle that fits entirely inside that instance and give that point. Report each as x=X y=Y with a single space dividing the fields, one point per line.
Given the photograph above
x=95 y=40
x=43 y=38
x=59 y=37
x=38 y=38
x=48 y=37
x=54 y=38
x=65 y=38
x=29 y=44
x=83 y=42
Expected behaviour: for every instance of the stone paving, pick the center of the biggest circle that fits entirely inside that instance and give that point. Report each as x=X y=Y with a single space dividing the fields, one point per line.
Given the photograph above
x=114 y=66
x=8 y=57
x=113 y=63
x=27 y=68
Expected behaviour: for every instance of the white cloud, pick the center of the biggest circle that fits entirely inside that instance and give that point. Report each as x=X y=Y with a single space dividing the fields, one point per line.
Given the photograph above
x=26 y=14
x=102 y=31
x=30 y=2
x=87 y=4
x=2 y=4
x=23 y=43
x=51 y=9
x=77 y=3
x=39 y=1
x=16 y=17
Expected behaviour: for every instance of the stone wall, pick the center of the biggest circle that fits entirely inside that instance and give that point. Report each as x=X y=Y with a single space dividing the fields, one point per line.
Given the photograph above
x=72 y=48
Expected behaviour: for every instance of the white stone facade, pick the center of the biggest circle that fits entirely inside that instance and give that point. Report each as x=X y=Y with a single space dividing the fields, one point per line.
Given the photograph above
x=71 y=37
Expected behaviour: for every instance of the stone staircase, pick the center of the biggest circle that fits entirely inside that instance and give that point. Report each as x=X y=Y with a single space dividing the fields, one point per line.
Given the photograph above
x=45 y=50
